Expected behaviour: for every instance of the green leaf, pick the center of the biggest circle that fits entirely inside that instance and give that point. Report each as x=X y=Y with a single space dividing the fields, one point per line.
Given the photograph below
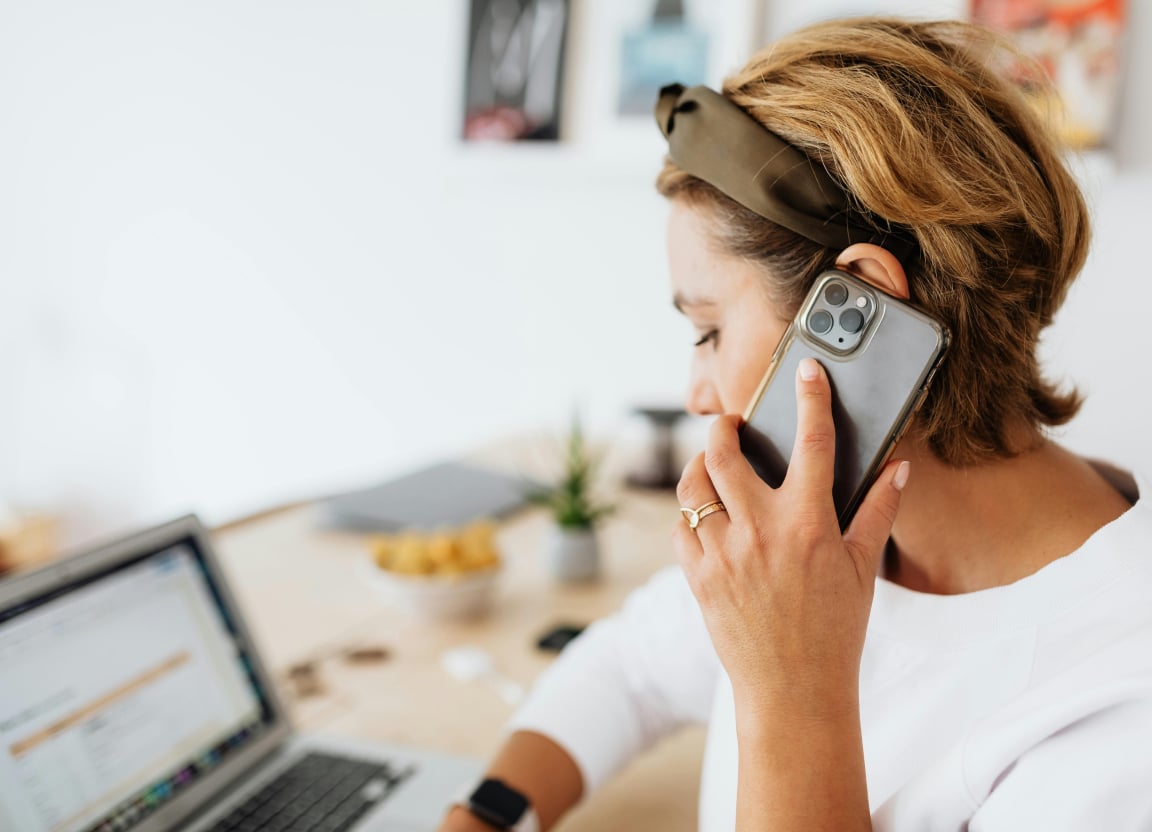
x=570 y=499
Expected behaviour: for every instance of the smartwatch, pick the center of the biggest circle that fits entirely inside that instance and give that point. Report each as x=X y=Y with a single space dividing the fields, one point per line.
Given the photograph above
x=497 y=803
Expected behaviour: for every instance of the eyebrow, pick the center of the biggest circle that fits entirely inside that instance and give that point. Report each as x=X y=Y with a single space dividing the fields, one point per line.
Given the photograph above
x=680 y=300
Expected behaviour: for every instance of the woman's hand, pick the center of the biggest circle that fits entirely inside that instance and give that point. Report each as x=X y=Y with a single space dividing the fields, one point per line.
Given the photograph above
x=785 y=596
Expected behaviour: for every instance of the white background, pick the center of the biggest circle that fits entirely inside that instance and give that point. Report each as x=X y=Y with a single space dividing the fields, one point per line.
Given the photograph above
x=243 y=257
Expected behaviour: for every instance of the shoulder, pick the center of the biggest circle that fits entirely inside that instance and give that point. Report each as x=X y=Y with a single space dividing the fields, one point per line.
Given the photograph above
x=1092 y=774
x=1130 y=534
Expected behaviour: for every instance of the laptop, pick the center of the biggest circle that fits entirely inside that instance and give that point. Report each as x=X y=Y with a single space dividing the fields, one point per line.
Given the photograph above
x=133 y=698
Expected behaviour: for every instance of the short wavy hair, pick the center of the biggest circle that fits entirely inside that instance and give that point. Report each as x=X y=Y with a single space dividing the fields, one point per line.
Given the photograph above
x=919 y=122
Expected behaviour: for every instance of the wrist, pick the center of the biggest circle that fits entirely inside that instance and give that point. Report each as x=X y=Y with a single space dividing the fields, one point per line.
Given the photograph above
x=771 y=710
x=498 y=806
x=459 y=819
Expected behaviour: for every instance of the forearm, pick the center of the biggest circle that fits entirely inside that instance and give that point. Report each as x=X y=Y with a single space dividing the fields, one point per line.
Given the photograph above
x=538 y=768
x=802 y=769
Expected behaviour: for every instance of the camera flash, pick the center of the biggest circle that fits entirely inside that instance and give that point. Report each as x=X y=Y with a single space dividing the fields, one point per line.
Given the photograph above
x=861 y=302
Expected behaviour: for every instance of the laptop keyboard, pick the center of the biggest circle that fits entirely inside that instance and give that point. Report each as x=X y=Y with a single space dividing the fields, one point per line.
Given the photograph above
x=319 y=793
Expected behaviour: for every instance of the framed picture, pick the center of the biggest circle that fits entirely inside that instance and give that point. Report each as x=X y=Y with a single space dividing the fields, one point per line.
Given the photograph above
x=514 y=75
x=1077 y=44
x=666 y=44
x=625 y=50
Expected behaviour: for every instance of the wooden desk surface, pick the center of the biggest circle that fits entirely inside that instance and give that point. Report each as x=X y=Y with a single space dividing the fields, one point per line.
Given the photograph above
x=303 y=594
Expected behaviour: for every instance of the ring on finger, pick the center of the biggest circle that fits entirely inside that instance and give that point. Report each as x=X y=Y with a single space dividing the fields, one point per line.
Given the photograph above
x=695 y=515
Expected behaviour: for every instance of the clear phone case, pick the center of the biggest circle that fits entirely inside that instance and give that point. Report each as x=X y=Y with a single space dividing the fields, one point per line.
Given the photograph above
x=879 y=374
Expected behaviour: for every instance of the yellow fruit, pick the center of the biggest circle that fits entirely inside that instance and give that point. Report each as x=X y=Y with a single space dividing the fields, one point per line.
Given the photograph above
x=440 y=553
x=411 y=556
x=383 y=550
x=443 y=549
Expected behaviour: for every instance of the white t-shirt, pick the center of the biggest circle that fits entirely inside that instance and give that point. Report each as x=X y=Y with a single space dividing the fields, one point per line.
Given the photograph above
x=1022 y=707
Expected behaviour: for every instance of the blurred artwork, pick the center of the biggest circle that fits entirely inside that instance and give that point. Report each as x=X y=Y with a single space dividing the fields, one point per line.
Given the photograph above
x=515 y=70
x=1077 y=43
x=666 y=48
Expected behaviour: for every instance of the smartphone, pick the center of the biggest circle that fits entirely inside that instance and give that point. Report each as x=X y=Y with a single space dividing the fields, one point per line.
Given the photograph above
x=880 y=355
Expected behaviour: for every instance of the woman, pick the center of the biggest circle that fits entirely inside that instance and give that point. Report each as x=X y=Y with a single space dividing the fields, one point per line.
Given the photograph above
x=975 y=651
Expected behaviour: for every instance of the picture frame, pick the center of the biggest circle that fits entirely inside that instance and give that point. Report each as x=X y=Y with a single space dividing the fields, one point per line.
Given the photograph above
x=1078 y=45
x=514 y=70
x=608 y=49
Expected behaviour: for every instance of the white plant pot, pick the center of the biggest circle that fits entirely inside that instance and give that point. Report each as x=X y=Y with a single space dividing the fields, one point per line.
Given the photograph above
x=572 y=554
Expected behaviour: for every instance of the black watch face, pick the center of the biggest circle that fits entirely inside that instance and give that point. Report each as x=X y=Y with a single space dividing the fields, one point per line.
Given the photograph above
x=498 y=804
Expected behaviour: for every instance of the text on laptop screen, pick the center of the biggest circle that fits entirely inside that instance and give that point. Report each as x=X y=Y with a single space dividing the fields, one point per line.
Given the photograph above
x=119 y=692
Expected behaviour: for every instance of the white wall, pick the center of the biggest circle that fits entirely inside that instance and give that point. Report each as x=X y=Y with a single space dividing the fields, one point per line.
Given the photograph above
x=242 y=258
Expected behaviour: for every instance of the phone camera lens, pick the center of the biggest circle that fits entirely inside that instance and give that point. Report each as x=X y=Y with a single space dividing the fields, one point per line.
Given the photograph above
x=835 y=294
x=852 y=320
x=820 y=321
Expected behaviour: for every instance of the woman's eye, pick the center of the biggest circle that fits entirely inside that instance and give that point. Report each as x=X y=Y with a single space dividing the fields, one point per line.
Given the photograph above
x=712 y=336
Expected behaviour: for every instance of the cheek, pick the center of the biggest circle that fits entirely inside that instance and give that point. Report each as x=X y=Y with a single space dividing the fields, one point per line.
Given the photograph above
x=746 y=366
x=736 y=373
x=743 y=383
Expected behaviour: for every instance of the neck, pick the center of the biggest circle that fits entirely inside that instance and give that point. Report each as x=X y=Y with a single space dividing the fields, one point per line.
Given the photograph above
x=971 y=528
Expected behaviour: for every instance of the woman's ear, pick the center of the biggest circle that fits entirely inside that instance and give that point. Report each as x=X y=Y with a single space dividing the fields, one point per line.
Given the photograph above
x=877 y=265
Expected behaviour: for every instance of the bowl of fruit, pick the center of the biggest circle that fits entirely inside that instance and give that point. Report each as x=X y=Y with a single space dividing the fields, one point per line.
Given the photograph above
x=441 y=574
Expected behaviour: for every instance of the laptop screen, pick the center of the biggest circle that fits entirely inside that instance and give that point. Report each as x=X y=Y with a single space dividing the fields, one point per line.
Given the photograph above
x=118 y=692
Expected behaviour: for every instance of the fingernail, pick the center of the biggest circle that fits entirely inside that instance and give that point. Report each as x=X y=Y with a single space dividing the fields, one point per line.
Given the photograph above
x=809 y=369
x=900 y=479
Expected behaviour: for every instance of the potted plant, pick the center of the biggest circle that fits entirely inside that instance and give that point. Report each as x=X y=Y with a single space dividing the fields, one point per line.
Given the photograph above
x=572 y=551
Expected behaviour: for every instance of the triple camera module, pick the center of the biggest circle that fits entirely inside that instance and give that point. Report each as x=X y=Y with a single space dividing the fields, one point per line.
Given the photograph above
x=840 y=315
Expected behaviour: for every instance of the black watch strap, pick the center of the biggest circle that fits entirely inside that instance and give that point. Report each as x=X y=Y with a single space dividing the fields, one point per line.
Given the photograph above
x=497 y=803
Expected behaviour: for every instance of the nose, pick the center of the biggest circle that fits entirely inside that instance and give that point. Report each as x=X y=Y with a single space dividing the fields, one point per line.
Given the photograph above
x=702 y=398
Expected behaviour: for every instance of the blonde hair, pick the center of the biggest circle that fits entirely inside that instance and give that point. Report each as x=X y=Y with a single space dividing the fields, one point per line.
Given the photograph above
x=920 y=125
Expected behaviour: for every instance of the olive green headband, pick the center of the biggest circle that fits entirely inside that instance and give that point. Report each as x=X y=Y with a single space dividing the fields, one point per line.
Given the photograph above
x=715 y=140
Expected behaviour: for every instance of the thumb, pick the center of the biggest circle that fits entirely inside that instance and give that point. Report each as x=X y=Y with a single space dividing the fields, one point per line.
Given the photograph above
x=868 y=534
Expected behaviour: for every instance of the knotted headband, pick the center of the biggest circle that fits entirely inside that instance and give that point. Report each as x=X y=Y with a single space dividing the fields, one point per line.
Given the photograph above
x=713 y=139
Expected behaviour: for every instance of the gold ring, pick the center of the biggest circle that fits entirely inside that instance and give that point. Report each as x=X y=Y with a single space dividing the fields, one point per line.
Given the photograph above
x=695 y=515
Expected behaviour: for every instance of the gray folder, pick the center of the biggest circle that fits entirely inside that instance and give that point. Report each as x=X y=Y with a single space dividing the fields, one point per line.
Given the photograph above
x=445 y=495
